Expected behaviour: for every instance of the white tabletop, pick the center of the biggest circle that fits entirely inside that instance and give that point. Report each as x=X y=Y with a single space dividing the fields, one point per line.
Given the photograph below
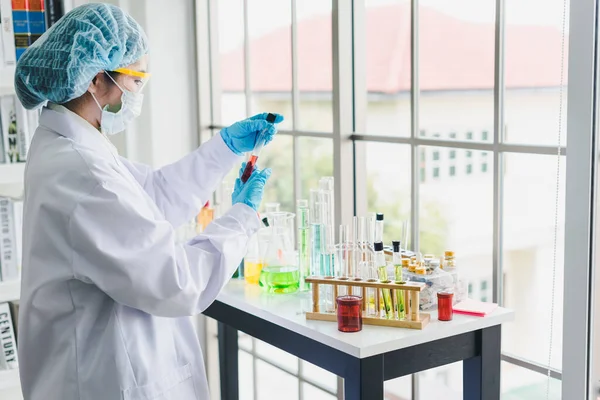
x=287 y=310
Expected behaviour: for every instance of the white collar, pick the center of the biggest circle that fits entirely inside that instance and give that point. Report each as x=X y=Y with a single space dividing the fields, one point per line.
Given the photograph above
x=83 y=132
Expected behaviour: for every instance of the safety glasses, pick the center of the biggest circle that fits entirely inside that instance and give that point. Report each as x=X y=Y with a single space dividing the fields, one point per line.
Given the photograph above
x=136 y=80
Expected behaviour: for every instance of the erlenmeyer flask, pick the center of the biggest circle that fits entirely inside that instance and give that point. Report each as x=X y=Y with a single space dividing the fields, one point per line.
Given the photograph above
x=280 y=272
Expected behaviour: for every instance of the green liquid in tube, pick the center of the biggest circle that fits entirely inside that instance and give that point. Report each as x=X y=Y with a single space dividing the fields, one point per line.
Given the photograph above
x=303 y=257
x=401 y=310
x=387 y=296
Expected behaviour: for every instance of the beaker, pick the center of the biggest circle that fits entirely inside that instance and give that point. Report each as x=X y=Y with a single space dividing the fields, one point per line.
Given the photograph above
x=253 y=261
x=280 y=272
x=271 y=208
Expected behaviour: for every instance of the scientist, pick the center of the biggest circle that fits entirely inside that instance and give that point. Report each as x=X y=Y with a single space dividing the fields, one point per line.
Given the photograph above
x=106 y=292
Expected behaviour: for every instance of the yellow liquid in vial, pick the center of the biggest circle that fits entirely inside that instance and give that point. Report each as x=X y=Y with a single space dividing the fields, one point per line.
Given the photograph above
x=252 y=271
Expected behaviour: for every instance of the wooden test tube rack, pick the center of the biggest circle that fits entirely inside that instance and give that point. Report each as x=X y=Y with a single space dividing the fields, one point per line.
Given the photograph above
x=414 y=318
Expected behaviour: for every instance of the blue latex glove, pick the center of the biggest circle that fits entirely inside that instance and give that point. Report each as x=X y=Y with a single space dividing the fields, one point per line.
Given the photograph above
x=241 y=136
x=251 y=192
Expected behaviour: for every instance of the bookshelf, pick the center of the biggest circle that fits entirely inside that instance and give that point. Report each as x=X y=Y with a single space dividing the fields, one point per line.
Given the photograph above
x=7 y=81
x=9 y=379
x=10 y=291
x=11 y=180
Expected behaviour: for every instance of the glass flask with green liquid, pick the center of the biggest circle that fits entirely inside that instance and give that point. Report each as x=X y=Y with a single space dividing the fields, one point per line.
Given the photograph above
x=280 y=273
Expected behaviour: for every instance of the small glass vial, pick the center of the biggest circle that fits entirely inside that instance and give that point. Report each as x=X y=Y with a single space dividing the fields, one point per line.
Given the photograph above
x=449 y=261
x=420 y=270
x=412 y=267
x=445 y=305
x=405 y=263
x=349 y=313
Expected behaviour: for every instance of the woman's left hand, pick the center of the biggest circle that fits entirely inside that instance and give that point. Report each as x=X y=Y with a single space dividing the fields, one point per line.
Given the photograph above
x=241 y=136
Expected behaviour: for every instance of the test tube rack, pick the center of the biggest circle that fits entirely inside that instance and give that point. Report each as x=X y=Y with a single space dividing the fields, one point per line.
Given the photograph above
x=414 y=318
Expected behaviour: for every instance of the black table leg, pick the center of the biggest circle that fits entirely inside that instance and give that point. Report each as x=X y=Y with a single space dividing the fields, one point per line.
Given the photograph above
x=228 y=361
x=481 y=374
x=363 y=379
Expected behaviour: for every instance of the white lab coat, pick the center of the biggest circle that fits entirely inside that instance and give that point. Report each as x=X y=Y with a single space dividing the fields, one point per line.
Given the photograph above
x=106 y=293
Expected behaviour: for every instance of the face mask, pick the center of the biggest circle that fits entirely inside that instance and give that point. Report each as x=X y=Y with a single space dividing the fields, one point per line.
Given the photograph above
x=113 y=122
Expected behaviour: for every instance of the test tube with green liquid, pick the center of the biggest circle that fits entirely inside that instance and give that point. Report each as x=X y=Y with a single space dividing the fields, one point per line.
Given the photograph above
x=382 y=272
x=397 y=261
x=303 y=242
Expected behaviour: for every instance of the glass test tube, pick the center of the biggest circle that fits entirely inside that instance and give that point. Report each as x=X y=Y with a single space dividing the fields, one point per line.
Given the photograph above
x=303 y=221
x=260 y=142
x=327 y=214
x=315 y=234
x=378 y=228
x=327 y=240
x=371 y=230
x=397 y=261
x=382 y=271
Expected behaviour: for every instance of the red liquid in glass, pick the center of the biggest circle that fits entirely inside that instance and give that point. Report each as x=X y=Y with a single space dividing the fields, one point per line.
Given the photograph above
x=445 y=306
x=249 y=168
x=349 y=313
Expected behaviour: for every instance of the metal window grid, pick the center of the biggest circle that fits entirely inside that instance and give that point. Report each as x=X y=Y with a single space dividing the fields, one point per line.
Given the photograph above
x=349 y=98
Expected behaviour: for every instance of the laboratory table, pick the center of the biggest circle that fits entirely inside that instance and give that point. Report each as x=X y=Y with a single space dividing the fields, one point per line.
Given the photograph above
x=364 y=359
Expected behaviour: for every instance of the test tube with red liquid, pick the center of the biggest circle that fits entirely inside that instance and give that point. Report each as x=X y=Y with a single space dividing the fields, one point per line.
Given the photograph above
x=260 y=142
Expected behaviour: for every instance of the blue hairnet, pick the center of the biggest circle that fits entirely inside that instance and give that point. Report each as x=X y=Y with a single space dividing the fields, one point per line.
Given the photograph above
x=61 y=64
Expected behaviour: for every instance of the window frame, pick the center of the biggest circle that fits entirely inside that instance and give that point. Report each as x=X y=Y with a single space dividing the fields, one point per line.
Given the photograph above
x=350 y=137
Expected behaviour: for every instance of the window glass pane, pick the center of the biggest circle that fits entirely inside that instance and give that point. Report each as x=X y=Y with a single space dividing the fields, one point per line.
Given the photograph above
x=519 y=383
x=271 y=39
x=316 y=161
x=312 y=373
x=456 y=213
x=244 y=341
x=399 y=388
x=246 y=375
x=280 y=187
x=273 y=383
x=314 y=65
x=388 y=67
x=532 y=78
x=456 y=68
x=388 y=180
x=277 y=356
x=277 y=155
x=529 y=193
x=231 y=54
x=441 y=383
x=312 y=393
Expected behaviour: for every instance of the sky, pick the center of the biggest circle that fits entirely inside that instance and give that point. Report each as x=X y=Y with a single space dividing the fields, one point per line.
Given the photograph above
x=525 y=12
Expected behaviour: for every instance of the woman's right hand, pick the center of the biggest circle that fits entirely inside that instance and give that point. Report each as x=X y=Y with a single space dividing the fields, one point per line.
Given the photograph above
x=251 y=192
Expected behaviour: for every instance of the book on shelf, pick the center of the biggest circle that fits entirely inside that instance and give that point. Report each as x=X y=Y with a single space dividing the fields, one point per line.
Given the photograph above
x=9 y=264
x=9 y=51
x=18 y=126
x=8 y=118
x=8 y=339
x=29 y=23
